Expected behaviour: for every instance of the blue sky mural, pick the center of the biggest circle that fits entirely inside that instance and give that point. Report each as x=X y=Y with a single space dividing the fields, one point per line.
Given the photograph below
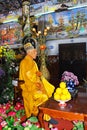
x=65 y=24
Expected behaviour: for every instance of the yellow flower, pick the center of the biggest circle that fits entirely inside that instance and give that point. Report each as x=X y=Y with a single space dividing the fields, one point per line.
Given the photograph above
x=1 y=47
x=0 y=50
x=0 y=55
x=4 y=49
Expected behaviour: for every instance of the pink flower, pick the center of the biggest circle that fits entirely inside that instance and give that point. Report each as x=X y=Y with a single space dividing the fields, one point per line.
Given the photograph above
x=24 y=124
x=3 y=123
x=75 y=121
x=67 y=76
x=1 y=118
x=27 y=123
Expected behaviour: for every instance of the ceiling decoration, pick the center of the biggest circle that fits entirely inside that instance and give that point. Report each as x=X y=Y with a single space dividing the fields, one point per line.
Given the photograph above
x=9 y=5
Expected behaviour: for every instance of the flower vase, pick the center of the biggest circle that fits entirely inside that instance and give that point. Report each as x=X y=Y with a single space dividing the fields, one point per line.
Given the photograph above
x=72 y=88
x=43 y=67
x=70 y=85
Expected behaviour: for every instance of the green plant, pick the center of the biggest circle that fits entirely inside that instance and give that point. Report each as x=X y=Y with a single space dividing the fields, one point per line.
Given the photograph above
x=78 y=125
x=7 y=66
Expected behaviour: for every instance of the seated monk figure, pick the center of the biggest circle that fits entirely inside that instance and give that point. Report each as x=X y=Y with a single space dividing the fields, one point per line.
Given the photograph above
x=35 y=89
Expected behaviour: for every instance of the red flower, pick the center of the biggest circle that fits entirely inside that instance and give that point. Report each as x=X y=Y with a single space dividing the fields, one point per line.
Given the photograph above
x=6 y=107
x=42 y=47
x=19 y=106
x=2 y=111
x=12 y=113
x=0 y=127
x=37 y=124
x=1 y=118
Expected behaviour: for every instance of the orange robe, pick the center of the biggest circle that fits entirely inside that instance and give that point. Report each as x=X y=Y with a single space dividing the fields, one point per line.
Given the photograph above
x=34 y=91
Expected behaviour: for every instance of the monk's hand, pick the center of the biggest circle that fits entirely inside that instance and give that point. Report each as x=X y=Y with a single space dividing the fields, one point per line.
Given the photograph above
x=38 y=73
x=38 y=85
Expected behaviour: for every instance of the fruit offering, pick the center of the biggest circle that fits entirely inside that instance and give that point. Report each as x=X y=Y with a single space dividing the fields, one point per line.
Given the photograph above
x=62 y=92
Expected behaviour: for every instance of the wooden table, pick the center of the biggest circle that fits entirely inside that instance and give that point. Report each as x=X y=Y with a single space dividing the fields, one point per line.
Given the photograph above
x=76 y=109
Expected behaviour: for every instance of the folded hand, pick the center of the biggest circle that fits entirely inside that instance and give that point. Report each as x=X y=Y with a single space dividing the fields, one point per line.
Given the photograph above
x=38 y=73
x=38 y=85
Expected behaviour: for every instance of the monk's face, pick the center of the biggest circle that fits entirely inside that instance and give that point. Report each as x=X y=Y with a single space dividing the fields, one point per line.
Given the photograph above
x=33 y=53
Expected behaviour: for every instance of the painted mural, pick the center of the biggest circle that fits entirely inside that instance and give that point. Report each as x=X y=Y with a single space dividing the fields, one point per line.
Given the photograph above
x=51 y=5
x=66 y=24
x=10 y=29
x=10 y=33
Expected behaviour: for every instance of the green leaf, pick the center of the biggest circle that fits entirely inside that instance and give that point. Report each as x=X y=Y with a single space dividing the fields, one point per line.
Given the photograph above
x=10 y=120
x=27 y=128
x=33 y=119
x=19 y=127
x=34 y=127
x=5 y=128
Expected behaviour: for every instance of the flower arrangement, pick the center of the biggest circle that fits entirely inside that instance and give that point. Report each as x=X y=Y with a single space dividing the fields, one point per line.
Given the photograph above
x=7 y=52
x=40 y=36
x=70 y=79
x=13 y=118
x=7 y=68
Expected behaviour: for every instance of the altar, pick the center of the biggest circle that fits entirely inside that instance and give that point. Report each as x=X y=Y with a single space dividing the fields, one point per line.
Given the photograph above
x=76 y=109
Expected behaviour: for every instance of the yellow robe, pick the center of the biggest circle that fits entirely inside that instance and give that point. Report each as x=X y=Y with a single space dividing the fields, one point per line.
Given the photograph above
x=33 y=95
